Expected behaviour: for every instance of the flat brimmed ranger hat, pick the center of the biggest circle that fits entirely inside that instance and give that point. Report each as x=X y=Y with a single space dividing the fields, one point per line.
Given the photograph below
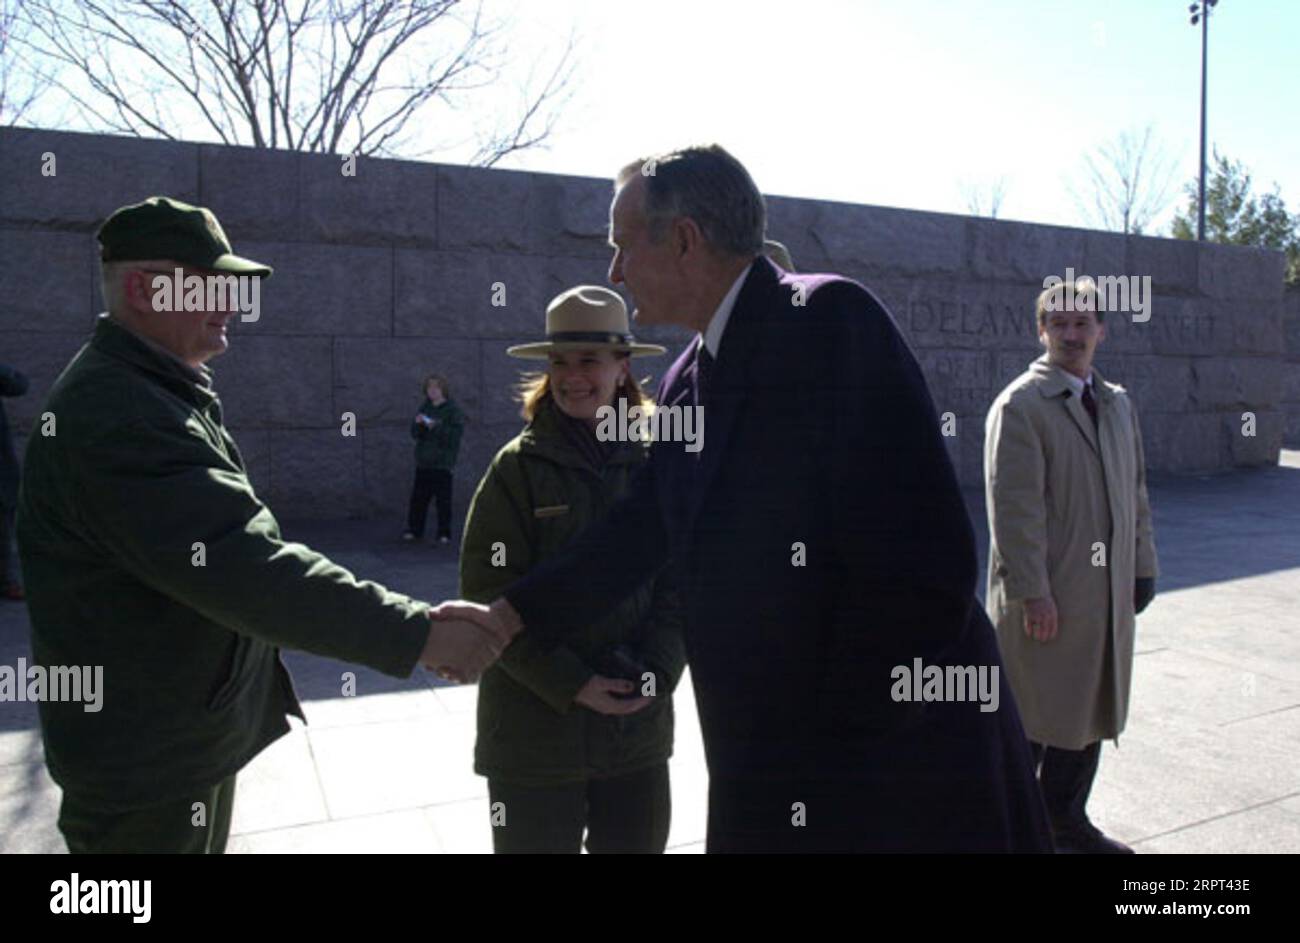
x=163 y=228
x=584 y=317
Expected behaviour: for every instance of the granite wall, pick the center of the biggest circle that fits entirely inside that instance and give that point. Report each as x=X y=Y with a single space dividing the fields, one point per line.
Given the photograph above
x=1291 y=368
x=388 y=274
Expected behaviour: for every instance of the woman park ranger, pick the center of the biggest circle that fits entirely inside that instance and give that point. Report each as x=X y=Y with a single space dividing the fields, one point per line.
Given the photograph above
x=574 y=738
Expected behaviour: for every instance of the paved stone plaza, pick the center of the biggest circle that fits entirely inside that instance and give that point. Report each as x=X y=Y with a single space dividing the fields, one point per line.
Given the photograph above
x=1209 y=762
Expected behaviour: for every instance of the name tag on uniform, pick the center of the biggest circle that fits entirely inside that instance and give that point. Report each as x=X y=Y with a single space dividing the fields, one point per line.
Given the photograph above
x=553 y=510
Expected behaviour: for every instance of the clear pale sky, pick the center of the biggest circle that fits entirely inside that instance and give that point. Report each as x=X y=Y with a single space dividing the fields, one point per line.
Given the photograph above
x=895 y=102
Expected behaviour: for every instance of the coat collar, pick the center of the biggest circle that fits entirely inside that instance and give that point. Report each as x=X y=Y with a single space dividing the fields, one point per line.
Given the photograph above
x=1051 y=381
x=114 y=340
x=544 y=437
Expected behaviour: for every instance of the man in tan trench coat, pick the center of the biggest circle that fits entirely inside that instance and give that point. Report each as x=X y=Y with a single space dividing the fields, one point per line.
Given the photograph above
x=1072 y=557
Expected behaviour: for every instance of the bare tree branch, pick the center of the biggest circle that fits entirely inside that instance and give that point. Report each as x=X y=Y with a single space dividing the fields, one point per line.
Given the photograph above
x=327 y=76
x=20 y=84
x=1128 y=183
x=984 y=199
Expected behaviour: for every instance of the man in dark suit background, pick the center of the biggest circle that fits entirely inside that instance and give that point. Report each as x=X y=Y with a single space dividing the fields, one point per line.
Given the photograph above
x=820 y=537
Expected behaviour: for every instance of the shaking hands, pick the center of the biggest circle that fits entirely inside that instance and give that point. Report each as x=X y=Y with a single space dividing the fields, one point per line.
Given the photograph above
x=466 y=637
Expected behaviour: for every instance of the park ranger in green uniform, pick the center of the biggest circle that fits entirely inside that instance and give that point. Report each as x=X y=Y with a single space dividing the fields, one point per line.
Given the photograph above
x=146 y=551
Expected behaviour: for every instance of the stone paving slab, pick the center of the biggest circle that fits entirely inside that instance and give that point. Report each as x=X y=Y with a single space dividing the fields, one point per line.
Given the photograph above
x=1208 y=762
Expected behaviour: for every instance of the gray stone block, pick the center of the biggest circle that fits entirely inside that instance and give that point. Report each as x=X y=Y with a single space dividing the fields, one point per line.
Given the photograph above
x=1257 y=327
x=316 y=474
x=1025 y=252
x=253 y=191
x=501 y=377
x=379 y=379
x=389 y=462
x=47 y=280
x=1291 y=322
x=879 y=238
x=1186 y=326
x=283 y=382
x=570 y=216
x=1126 y=336
x=1263 y=447
x=793 y=222
x=1234 y=383
x=1154 y=384
x=1184 y=442
x=1291 y=382
x=1236 y=273
x=387 y=202
x=323 y=289
x=484 y=209
x=1008 y=366
x=961 y=381
x=1291 y=431
x=452 y=294
x=967 y=315
x=95 y=174
x=1171 y=263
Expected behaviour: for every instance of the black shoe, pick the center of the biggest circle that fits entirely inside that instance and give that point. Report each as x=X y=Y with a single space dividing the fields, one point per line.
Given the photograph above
x=1087 y=839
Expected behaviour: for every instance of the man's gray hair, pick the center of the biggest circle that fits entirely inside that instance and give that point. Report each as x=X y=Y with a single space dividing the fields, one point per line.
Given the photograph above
x=711 y=187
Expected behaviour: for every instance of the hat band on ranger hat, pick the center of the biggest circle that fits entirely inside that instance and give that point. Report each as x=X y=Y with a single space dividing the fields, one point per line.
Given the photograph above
x=588 y=337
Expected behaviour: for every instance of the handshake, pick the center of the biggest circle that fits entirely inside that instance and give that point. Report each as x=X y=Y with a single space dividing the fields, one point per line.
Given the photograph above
x=465 y=638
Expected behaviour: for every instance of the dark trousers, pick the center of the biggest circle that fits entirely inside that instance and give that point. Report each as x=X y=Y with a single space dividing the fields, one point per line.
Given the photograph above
x=626 y=814
x=8 y=548
x=166 y=828
x=1065 y=778
x=430 y=483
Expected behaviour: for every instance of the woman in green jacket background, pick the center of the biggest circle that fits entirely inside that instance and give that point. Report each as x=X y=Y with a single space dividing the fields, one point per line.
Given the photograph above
x=577 y=737
x=436 y=429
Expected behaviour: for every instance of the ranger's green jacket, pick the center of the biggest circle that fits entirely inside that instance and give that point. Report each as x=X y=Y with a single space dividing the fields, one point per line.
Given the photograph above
x=538 y=494
x=145 y=551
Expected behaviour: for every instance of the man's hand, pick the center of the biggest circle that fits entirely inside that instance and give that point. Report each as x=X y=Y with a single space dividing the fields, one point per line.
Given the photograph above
x=598 y=694
x=464 y=639
x=1040 y=618
x=500 y=618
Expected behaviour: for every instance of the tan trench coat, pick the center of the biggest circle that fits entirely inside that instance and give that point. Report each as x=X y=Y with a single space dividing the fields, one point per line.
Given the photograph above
x=1054 y=493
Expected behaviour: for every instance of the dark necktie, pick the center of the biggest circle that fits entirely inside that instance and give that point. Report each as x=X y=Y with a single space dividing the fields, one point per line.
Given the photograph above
x=703 y=369
x=1090 y=404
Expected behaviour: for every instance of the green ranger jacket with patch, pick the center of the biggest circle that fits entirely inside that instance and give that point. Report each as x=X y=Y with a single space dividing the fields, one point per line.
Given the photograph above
x=146 y=551
x=539 y=493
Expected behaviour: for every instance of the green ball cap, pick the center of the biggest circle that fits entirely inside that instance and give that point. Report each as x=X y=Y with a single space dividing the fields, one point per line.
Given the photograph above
x=163 y=228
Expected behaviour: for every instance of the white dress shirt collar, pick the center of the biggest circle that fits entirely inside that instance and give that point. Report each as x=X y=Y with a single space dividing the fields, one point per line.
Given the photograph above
x=712 y=337
x=1076 y=384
